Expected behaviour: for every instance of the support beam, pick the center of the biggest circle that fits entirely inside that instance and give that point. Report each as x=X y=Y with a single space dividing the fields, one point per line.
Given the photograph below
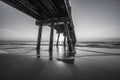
x=64 y=43
x=52 y=20
x=51 y=38
x=58 y=39
x=68 y=38
x=39 y=40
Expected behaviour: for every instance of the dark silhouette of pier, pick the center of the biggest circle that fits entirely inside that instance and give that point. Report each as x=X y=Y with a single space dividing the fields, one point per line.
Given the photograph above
x=53 y=13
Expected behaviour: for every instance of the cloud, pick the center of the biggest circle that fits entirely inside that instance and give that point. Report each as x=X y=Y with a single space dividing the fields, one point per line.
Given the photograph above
x=8 y=30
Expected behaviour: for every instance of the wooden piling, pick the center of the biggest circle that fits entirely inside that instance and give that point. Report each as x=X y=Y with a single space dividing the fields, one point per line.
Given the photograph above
x=64 y=43
x=58 y=39
x=39 y=40
x=68 y=38
x=51 y=38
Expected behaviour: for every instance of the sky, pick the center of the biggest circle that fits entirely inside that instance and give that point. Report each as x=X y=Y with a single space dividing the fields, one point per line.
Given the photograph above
x=93 y=19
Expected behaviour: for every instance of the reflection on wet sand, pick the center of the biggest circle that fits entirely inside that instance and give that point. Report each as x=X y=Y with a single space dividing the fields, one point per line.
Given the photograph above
x=51 y=55
x=62 y=54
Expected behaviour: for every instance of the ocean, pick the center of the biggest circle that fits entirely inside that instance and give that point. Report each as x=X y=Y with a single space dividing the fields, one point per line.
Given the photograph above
x=82 y=49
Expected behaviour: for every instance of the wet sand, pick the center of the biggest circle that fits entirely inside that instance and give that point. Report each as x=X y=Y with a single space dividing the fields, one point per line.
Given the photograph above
x=18 y=64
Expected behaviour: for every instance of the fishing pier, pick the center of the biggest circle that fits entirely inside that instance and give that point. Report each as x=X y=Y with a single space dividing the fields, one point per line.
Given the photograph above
x=53 y=13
